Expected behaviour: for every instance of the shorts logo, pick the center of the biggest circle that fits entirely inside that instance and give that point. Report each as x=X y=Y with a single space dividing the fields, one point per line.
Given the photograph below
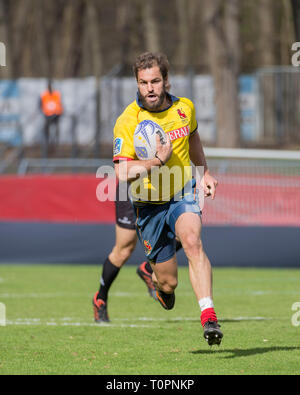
x=117 y=146
x=181 y=114
x=179 y=133
x=148 y=247
x=124 y=220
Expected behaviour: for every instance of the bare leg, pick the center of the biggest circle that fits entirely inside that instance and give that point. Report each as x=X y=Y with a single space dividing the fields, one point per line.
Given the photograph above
x=165 y=275
x=126 y=240
x=188 y=229
x=165 y=278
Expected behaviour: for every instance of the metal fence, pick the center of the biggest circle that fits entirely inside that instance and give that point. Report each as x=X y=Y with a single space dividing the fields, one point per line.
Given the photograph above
x=269 y=103
x=279 y=105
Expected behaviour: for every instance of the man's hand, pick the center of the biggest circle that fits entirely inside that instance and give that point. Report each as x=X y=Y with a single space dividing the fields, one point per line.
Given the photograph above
x=164 y=151
x=209 y=184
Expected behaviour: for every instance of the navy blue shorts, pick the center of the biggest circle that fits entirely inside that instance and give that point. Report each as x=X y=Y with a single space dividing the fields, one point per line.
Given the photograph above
x=155 y=223
x=125 y=216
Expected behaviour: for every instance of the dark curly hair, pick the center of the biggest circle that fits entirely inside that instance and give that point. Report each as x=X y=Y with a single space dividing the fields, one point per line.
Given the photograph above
x=149 y=59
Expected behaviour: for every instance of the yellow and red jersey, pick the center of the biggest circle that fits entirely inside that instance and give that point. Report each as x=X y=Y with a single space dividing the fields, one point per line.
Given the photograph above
x=178 y=121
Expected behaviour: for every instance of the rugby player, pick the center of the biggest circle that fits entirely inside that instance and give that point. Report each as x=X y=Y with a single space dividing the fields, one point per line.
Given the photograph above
x=175 y=213
x=125 y=242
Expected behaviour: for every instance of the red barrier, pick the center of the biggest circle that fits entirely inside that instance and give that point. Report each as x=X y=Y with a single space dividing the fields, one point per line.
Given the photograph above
x=59 y=198
x=248 y=200
x=243 y=200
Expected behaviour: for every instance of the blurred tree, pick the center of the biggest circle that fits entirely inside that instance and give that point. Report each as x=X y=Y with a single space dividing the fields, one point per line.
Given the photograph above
x=69 y=38
x=197 y=39
x=94 y=37
x=123 y=31
x=183 y=45
x=5 y=71
x=42 y=51
x=222 y=27
x=150 y=26
x=265 y=12
x=287 y=33
x=70 y=44
x=296 y=16
x=266 y=51
x=17 y=34
x=189 y=24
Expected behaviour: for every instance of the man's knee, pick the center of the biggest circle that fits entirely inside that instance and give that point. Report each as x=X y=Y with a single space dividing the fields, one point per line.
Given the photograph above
x=192 y=244
x=122 y=253
x=126 y=251
x=168 y=284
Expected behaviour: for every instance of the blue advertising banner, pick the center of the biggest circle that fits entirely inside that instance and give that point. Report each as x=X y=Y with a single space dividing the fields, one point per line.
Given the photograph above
x=249 y=108
x=10 y=129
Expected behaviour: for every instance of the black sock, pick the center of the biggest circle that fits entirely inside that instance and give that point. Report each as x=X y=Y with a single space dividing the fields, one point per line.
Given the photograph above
x=178 y=245
x=109 y=273
x=148 y=267
x=166 y=296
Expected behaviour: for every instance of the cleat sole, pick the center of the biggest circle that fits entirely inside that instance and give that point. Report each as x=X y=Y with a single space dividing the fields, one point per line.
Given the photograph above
x=213 y=338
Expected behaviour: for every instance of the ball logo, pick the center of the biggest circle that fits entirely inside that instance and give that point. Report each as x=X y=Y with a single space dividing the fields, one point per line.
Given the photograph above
x=2 y=54
x=145 y=139
x=141 y=152
x=142 y=130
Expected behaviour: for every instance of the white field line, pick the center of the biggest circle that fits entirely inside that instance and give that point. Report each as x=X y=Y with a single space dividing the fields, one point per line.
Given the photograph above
x=135 y=294
x=76 y=324
x=68 y=321
x=73 y=295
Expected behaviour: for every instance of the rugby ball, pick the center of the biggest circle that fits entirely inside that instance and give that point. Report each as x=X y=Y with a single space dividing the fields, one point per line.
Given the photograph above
x=145 y=139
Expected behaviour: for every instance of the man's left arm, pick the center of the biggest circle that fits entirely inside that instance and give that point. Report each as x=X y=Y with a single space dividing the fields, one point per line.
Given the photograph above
x=197 y=156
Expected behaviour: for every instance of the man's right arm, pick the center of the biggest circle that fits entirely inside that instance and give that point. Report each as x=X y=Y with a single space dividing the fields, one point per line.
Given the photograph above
x=130 y=170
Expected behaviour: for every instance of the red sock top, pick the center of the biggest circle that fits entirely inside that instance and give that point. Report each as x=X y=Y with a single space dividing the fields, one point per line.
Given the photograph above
x=208 y=315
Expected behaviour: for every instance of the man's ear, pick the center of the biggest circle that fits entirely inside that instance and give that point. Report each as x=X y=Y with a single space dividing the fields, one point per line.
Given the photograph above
x=167 y=84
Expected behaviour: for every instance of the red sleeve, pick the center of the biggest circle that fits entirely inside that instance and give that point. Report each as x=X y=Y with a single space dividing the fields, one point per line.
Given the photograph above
x=118 y=158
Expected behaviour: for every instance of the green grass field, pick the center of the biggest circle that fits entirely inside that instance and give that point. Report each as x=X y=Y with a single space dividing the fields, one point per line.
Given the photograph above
x=50 y=327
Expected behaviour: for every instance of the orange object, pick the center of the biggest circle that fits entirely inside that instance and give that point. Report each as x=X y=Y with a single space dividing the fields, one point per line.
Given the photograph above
x=51 y=103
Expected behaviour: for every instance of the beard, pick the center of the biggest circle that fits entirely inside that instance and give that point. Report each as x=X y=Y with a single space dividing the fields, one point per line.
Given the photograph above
x=153 y=106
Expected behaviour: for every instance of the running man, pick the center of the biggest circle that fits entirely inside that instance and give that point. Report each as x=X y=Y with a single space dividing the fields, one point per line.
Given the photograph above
x=175 y=215
x=125 y=242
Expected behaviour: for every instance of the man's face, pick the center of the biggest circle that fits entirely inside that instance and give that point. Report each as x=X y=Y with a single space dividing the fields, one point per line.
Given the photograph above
x=151 y=87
